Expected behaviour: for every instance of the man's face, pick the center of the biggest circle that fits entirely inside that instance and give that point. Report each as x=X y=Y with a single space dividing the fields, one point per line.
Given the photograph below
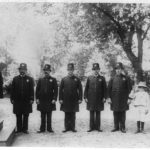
x=70 y=71
x=22 y=71
x=118 y=71
x=96 y=71
x=46 y=73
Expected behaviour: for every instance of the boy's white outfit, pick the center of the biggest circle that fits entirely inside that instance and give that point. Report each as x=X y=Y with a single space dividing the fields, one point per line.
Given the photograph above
x=141 y=105
x=141 y=102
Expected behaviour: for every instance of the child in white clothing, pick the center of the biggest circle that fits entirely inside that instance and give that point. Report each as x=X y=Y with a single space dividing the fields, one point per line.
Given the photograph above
x=141 y=102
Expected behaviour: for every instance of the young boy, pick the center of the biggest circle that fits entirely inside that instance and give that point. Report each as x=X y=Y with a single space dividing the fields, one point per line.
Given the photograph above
x=140 y=102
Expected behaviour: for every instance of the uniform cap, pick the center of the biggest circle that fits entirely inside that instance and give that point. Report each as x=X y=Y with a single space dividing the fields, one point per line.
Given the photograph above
x=70 y=66
x=119 y=65
x=47 y=67
x=23 y=66
x=95 y=66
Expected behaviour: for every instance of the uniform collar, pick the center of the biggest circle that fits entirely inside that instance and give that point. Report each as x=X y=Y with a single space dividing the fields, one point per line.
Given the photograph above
x=120 y=75
x=22 y=76
x=47 y=77
x=96 y=76
x=71 y=76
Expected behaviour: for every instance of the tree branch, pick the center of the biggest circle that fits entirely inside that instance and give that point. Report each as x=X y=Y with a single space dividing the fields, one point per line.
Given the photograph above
x=145 y=33
x=130 y=54
x=120 y=30
x=111 y=17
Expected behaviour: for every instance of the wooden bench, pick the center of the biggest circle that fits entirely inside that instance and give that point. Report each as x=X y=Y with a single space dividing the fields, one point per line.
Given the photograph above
x=7 y=134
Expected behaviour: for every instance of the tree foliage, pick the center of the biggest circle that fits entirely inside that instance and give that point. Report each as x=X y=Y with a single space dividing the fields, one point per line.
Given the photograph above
x=83 y=33
x=120 y=22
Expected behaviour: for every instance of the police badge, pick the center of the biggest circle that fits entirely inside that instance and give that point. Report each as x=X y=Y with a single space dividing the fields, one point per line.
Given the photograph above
x=123 y=79
x=100 y=80
x=27 y=80
x=50 y=80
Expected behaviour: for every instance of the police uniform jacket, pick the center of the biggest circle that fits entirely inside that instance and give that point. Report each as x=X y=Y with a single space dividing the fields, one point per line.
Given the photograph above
x=22 y=92
x=95 y=91
x=46 y=91
x=119 y=88
x=1 y=85
x=70 y=93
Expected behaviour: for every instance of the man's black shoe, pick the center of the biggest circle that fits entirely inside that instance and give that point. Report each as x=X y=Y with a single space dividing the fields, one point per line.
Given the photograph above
x=73 y=130
x=51 y=131
x=114 y=130
x=99 y=130
x=90 y=130
x=123 y=130
x=18 y=131
x=40 y=131
x=65 y=131
x=26 y=132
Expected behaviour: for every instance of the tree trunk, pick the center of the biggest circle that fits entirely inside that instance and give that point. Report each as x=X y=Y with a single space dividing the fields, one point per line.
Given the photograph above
x=140 y=53
x=136 y=61
x=138 y=69
x=136 y=64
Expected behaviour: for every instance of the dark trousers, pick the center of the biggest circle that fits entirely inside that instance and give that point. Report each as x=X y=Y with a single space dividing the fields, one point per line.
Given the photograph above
x=1 y=91
x=119 y=119
x=22 y=122
x=95 y=120
x=70 y=120
x=46 y=117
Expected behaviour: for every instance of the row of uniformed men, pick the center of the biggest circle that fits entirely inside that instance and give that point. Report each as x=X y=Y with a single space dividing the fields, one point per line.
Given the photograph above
x=70 y=96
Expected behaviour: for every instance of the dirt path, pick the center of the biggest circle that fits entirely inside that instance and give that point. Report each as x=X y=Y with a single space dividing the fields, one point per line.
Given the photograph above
x=81 y=138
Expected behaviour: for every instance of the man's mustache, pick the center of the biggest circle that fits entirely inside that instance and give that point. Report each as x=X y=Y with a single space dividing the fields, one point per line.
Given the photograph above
x=46 y=73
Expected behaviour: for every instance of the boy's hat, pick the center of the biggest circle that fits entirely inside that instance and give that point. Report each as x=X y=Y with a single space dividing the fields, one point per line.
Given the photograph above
x=142 y=84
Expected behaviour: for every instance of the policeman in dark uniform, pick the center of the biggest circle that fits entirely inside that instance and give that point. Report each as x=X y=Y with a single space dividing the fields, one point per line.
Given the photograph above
x=22 y=98
x=1 y=85
x=119 y=88
x=70 y=96
x=46 y=97
x=95 y=96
